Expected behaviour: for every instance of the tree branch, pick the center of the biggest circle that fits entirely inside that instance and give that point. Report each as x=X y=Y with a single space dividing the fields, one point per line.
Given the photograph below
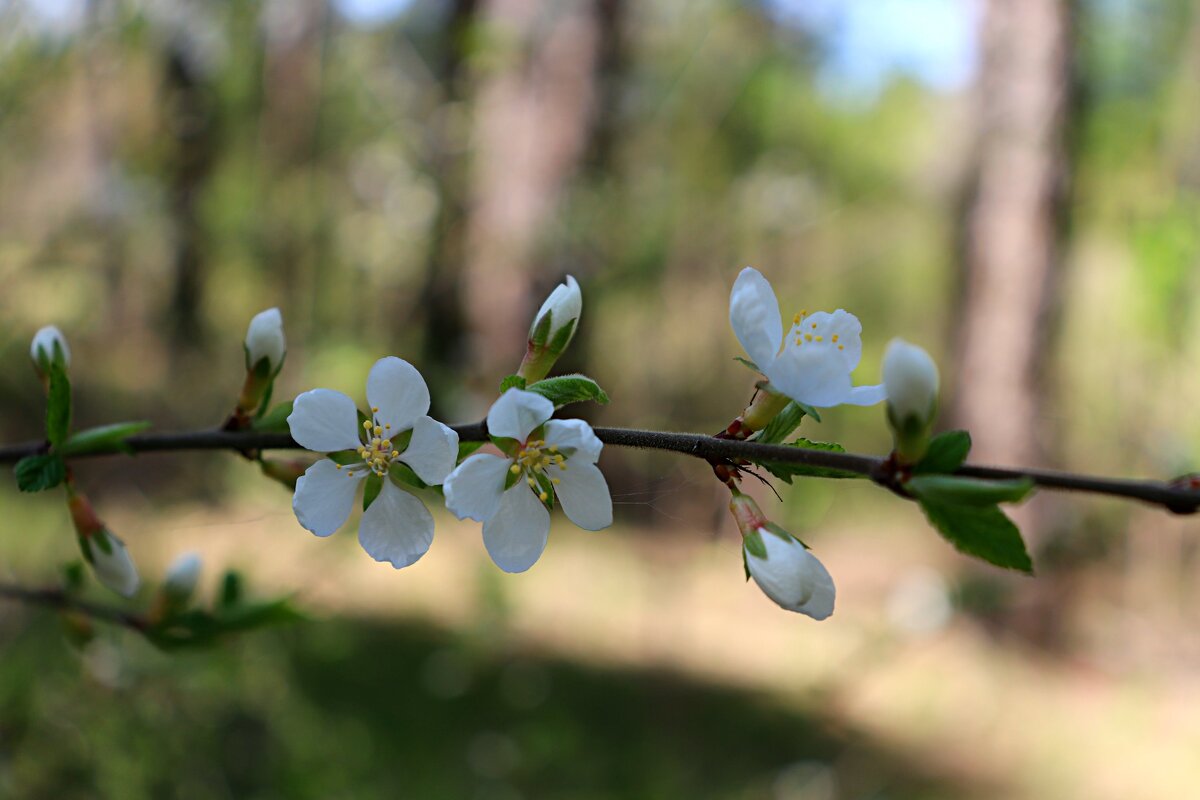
x=1177 y=497
x=56 y=598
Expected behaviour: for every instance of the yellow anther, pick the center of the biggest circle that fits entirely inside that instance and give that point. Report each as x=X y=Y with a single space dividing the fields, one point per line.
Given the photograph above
x=820 y=338
x=841 y=347
x=835 y=338
x=514 y=469
x=366 y=424
x=796 y=319
x=388 y=425
x=374 y=409
x=808 y=337
x=799 y=340
x=814 y=326
x=378 y=430
x=532 y=483
x=339 y=466
x=543 y=496
x=387 y=444
x=553 y=448
x=555 y=480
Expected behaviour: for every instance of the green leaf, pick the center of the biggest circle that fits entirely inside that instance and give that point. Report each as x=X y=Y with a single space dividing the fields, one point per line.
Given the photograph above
x=104 y=438
x=747 y=363
x=467 y=448
x=567 y=389
x=512 y=382
x=947 y=451
x=786 y=470
x=58 y=405
x=198 y=628
x=782 y=426
x=980 y=531
x=40 y=472
x=541 y=331
x=956 y=490
x=371 y=489
x=275 y=420
x=231 y=589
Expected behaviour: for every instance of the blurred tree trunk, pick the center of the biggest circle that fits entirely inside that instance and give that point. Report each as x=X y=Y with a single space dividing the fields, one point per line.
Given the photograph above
x=531 y=131
x=1013 y=229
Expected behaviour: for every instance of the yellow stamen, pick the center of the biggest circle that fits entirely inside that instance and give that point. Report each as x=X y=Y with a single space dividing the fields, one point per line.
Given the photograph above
x=820 y=338
x=543 y=497
x=514 y=469
x=808 y=337
x=841 y=347
x=835 y=338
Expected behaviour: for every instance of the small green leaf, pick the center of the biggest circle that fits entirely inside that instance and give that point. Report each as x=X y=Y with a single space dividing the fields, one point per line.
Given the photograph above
x=512 y=382
x=947 y=451
x=275 y=420
x=58 y=405
x=231 y=589
x=747 y=363
x=371 y=489
x=467 y=448
x=541 y=331
x=104 y=438
x=782 y=426
x=567 y=389
x=956 y=490
x=980 y=531
x=40 y=472
x=786 y=470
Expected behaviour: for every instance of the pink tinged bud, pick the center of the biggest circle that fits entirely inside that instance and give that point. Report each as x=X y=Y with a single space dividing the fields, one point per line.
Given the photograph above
x=182 y=577
x=910 y=379
x=264 y=339
x=747 y=513
x=48 y=346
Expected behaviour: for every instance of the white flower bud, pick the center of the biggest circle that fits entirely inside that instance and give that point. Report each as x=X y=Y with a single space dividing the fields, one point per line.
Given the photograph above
x=564 y=305
x=911 y=380
x=42 y=349
x=182 y=577
x=112 y=564
x=264 y=339
x=790 y=574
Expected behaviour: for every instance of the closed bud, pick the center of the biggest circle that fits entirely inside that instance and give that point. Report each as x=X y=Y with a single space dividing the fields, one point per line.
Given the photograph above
x=182 y=577
x=552 y=330
x=785 y=570
x=910 y=379
x=264 y=339
x=49 y=346
x=102 y=549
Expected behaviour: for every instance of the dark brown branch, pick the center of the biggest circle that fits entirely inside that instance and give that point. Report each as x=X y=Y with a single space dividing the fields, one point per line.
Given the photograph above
x=1177 y=498
x=59 y=599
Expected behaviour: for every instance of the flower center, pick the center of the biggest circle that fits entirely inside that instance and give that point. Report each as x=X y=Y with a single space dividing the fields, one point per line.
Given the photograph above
x=533 y=459
x=809 y=331
x=377 y=453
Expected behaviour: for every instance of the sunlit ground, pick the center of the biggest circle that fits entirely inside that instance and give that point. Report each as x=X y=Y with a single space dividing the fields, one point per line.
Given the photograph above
x=628 y=663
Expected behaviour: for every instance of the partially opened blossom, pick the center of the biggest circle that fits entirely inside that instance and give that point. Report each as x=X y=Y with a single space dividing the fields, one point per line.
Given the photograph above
x=811 y=360
x=911 y=379
x=545 y=459
x=785 y=570
x=552 y=330
x=396 y=527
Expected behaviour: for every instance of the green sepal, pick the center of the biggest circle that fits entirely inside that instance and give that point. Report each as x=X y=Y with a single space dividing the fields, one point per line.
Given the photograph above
x=511 y=478
x=402 y=440
x=567 y=389
x=786 y=470
x=403 y=473
x=787 y=536
x=547 y=487
x=947 y=451
x=40 y=472
x=955 y=490
x=58 y=405
x=745 y=362
x=275 y=420
x=102 y=540
x=507 y=445
x=511 y=382
x=745 y=564
x=372 y=486
x=754 y=545
x=346 y=457
x=562 y=337
x=984 y=532
x=362 y=432
x=104 y=438
x=467 y=448
x=782 y=425
x=541 y=331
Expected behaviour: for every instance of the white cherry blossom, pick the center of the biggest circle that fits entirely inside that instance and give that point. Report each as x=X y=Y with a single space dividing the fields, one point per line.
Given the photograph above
x=265 y=339
x=911 y=379
x=812 y=359
x=396 y=527
x=508 y=494
x=791 y=575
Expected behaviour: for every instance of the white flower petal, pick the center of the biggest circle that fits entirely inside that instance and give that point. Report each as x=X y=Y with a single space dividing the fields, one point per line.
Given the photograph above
x=517 y=413
x=475 y=487
x=911 y=379
x=324 y=496
x=583 y=494
x=115 y=569
x=792 y=576
x=754 y=315
x=324 y=421
x=432 y=451
x=516 y=535
x=866 y=395
x=264 y=339
x=43 y=345
x=183 y=575
x=565 y=302
x=396 y=528
x=399 y=392
x=577 y=435
x=840 y=332
x=810 y=374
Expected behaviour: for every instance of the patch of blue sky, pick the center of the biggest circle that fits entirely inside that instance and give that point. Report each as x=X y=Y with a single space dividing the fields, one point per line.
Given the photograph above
x=369 y=13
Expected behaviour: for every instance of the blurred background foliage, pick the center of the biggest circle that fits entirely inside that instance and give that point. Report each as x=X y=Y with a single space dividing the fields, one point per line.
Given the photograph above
x=1019 y=192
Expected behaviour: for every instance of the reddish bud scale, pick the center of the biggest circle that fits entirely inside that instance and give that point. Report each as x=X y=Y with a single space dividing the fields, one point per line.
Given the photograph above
x=87 y=524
